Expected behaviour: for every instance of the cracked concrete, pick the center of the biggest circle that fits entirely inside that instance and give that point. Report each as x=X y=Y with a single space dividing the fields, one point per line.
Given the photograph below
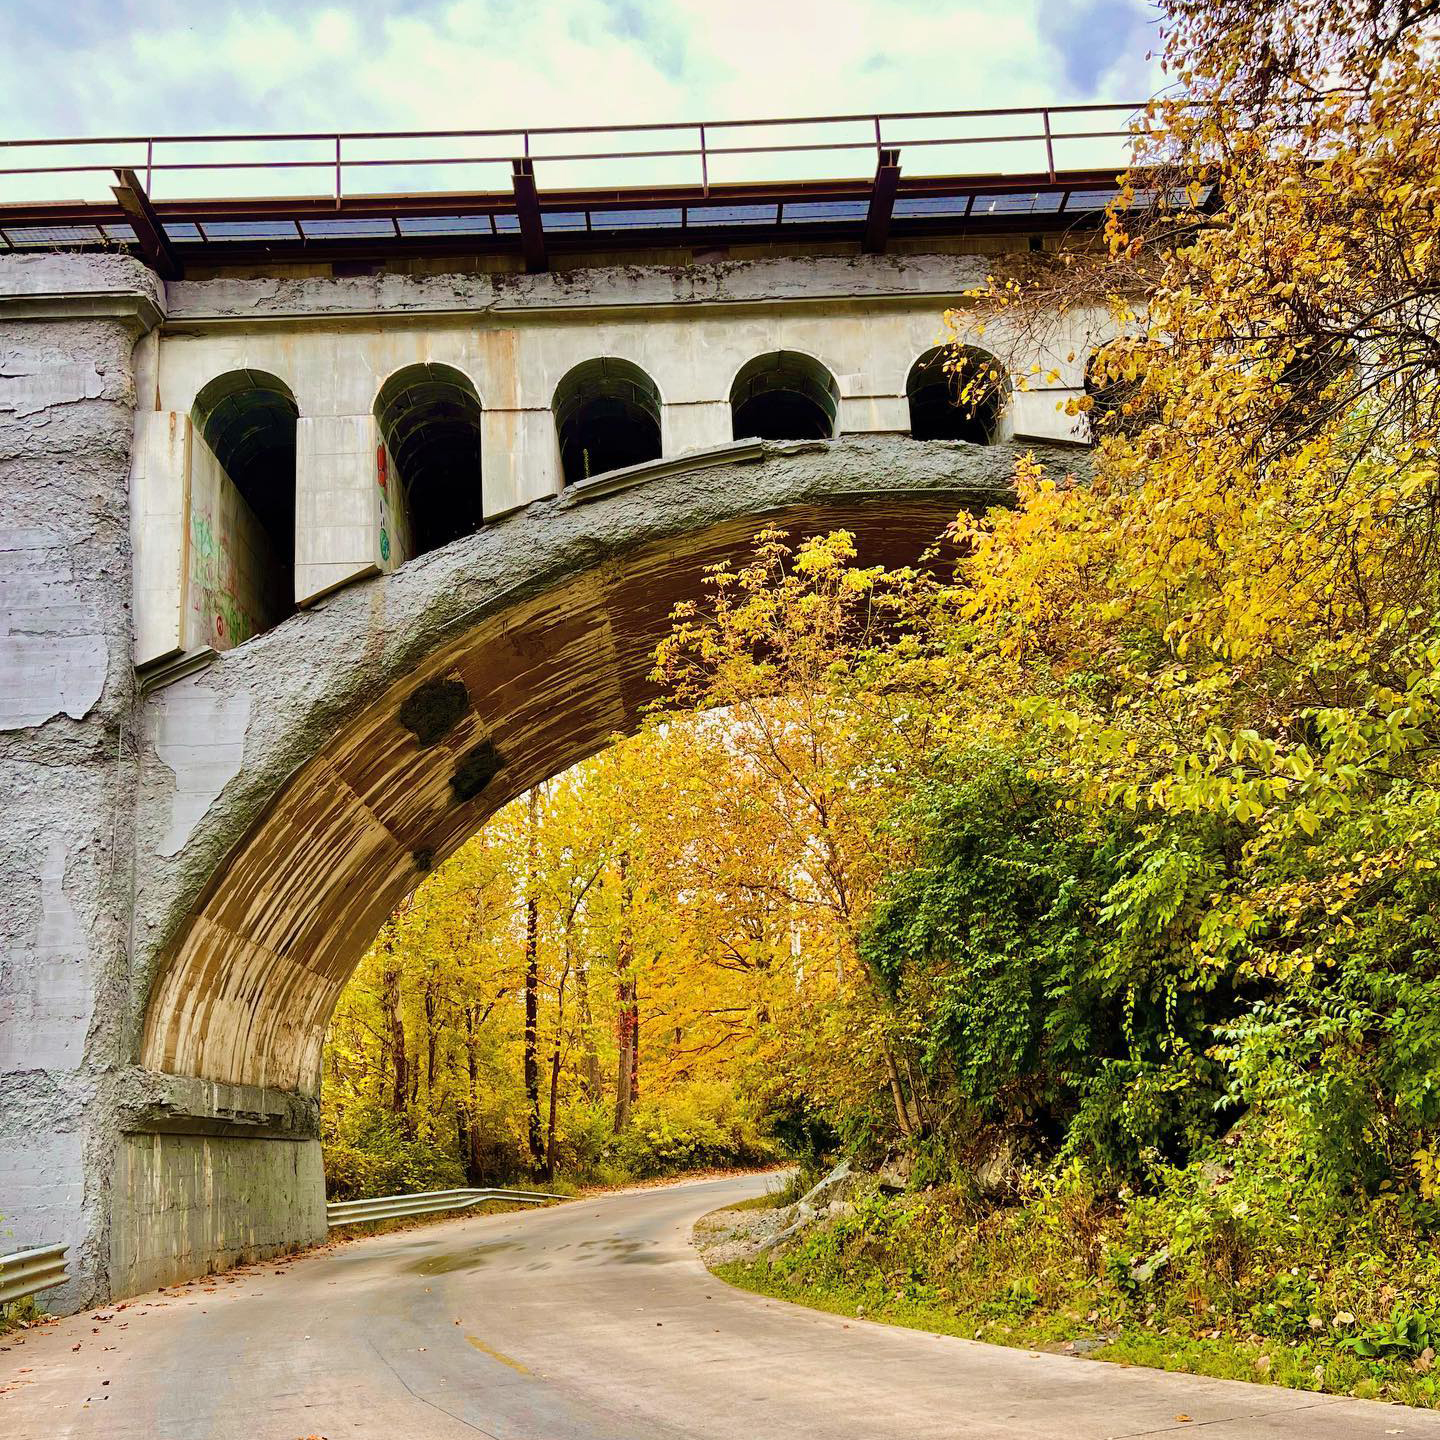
x=68 y=327
x=200 y=737
x=735 y=282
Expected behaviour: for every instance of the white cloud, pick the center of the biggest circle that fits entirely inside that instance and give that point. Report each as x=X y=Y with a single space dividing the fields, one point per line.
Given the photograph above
x=265 y=65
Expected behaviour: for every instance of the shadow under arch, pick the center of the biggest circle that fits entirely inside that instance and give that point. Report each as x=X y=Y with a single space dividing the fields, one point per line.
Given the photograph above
x=785 y=395
x=957 y=394
x=385 y=729
x=247 y=420
x=430 y=420
x=607 y=417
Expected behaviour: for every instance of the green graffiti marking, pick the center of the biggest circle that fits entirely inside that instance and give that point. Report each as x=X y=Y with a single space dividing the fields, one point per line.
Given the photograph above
x=202 y=537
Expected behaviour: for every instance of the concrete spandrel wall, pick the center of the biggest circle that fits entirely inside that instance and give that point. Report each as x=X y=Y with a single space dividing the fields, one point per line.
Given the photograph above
x=187 y=1205
x=236 y=581
x=336 y=341
x=159 y=521
x=397 y=532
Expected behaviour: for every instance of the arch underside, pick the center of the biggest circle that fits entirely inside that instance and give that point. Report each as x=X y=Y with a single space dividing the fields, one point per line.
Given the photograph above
x=245 y=988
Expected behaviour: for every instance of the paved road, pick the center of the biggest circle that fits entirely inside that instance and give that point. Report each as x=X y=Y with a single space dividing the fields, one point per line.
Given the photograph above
x=587 y=1321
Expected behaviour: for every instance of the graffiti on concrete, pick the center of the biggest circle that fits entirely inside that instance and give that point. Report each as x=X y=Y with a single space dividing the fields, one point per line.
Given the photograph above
x=216 y=607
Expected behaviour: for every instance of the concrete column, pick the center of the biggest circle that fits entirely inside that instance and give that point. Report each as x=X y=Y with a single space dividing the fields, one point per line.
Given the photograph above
x=68 y=328
x=697 y=425
x=519 y=459
x=159 y=501
x=338 y=503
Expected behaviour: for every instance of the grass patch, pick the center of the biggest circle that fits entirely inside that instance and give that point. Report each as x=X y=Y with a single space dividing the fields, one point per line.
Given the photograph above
x=1317 y=1302
x=770 y=1200
x=19 y=1314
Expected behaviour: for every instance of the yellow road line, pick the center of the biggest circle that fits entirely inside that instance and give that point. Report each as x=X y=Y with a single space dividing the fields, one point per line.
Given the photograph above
x=495 y=1354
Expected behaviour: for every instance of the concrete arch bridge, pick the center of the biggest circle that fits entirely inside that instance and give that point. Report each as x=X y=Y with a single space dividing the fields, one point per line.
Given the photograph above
x=308 y=571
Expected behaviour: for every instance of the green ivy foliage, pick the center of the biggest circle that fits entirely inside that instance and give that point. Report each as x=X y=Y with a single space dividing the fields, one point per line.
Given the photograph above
x=1044 y=966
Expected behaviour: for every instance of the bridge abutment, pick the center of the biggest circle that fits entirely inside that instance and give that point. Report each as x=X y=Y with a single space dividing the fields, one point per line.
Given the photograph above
x=69 y=328
x=206 y=1176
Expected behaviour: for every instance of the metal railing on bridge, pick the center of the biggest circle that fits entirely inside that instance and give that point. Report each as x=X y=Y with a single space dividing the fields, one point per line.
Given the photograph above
x=431 y=1202
x=27 y=1272
x=1040 y=140
x=554 y=188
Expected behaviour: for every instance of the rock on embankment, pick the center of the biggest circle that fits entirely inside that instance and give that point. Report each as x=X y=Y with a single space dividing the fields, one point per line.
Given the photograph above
x=748 y=1234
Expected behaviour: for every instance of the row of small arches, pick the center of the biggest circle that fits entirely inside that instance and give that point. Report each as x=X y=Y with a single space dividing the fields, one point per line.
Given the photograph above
x=607 y=411
x=607 y=416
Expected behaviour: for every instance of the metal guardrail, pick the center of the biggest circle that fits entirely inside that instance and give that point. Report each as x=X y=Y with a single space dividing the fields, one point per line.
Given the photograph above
x=27 y=1272
x=1030 y=133
x=397 y=1207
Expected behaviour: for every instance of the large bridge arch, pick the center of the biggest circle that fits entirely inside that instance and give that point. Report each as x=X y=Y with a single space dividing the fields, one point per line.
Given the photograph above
x=382 y=729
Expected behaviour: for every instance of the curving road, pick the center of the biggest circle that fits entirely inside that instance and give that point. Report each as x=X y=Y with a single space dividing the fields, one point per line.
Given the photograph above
x=587 y=1321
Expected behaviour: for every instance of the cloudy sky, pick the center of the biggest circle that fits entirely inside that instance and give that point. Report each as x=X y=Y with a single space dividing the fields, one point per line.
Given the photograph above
x=78 y=67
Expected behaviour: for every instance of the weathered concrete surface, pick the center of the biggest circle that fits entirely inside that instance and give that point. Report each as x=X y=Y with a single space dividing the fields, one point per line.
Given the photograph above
x=68 y=328
x=807 y=278
x=548 y=621
x=588 y=1321
x=190 y=1204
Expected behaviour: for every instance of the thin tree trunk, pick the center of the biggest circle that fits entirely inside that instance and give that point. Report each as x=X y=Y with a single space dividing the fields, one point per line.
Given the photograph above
x=625 y=1064
x=626 y=1070
x=532 y=983
x=550 y=1131
x=634 y=1041
x=400 y=1074
x=587 y=1033
x=897 y=1095
x=920 y=1116
x=432 y=1039
x=472 y=1126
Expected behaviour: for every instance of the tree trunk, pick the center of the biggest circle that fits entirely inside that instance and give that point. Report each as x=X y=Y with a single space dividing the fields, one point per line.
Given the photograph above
x=432 y=1039
x=532 y=983
x=472 y=1127
x=627 y=1066
x=587 y=1034
x=634 y=1041
x=897 y=1095
x=554 y=1094
x=400 y=1073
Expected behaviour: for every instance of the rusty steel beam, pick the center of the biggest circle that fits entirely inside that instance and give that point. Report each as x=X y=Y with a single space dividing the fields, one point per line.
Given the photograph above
x=472 y=202
x=882 y=203
x=527 y=207
x=154 y=244
x=182 y=224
